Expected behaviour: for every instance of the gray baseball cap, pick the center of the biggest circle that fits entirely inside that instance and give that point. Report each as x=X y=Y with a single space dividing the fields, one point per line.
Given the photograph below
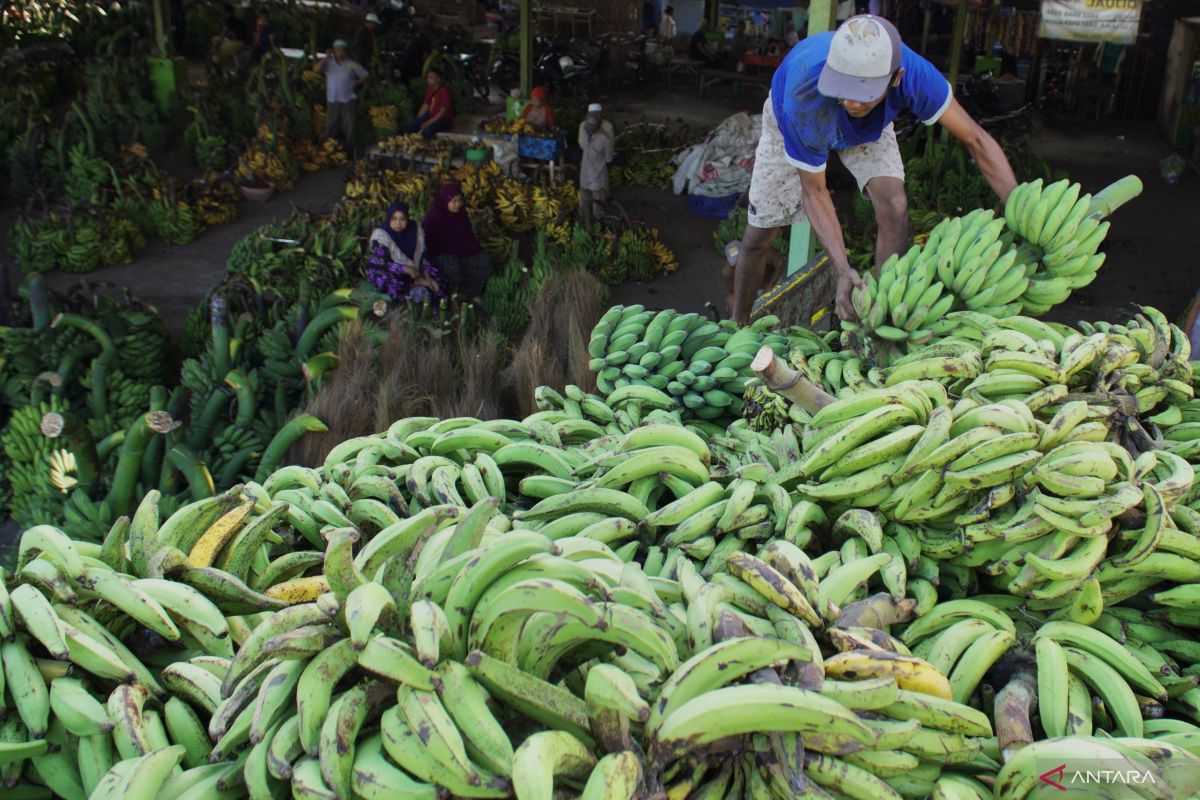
x=863 y=55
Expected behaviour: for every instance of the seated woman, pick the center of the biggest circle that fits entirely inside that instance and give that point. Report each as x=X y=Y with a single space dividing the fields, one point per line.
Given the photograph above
x=398 y=265
x=538 y=112
x=463 y=265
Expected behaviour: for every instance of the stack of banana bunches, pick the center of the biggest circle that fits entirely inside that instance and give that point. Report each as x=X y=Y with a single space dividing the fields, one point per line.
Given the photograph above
x=945 y=579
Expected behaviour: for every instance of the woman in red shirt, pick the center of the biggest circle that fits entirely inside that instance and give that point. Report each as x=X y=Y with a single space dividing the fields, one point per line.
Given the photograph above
x=436 y=113
x=538 y=113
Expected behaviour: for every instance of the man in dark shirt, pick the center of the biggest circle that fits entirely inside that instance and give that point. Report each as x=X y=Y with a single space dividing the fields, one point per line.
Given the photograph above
x=415 y=51
x=233 y=24
x=699 y=49
x=262 y=38
x=366 y=41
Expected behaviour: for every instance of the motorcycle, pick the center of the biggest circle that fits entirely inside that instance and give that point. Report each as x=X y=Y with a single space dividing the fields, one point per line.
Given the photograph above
x=569 y=72
x=469 y=63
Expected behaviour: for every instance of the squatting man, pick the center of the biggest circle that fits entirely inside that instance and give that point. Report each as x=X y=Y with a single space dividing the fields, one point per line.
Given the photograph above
x=841 y=91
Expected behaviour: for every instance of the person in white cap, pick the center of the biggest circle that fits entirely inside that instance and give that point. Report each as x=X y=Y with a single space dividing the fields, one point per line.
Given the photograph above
x=841 y=91
x=366 y=41
x=343 y=76
x=596 y=140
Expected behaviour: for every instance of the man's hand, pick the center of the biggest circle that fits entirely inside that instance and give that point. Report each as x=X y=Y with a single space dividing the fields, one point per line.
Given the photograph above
x=847 y=281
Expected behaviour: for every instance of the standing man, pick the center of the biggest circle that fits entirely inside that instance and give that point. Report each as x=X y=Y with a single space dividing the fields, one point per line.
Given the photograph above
x=262 y=38
x=366 y=41
x=342 y=77
x=596 y=141
x=841 y=91
x=667 y=30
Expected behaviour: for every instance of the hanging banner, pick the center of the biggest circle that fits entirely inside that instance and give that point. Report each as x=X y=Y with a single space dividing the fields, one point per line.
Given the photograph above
x=1090 y=20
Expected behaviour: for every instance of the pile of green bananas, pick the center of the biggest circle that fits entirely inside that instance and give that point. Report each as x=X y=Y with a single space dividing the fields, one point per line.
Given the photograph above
x=1027 y=261
x=81 y=243
x=174 y=220
x=1062 y=228
x=510 y=292
x=324 y=251
x=602 y=601
x=672 y=359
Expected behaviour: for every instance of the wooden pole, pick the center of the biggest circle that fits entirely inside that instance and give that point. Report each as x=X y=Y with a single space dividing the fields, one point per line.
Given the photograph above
x=956 y=48
x=925 y=26
x=526 y=47
x=822 y=17
x=160 y=29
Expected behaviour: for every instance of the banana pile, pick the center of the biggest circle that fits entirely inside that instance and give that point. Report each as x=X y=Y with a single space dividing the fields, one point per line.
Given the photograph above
x=674 y=360
x=510 y=292
x=82 y=242
x=384 y=118
x=602 y=601
x=1027 y=261
x=324 y=252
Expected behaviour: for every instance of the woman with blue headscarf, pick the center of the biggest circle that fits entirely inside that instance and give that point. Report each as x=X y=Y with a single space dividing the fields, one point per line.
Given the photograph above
x=398 y=264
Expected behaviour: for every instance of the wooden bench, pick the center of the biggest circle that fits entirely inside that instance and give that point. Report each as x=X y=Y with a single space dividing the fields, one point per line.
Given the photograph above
x=682 y=65
x=711 y=76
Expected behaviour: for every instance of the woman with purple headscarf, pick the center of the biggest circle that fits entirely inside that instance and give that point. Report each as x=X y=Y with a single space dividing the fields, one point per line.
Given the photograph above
x=398 y=264
x=453 y=246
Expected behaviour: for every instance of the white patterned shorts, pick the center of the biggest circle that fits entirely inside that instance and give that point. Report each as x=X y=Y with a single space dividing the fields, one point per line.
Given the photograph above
x=775 y=191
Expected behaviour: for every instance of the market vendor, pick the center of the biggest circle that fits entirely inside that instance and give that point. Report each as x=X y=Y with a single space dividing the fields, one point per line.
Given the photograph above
x=840 y=91
x=597 y=141
x=366 y=41
x=436 y=113
x=398 y=265
x=461 y=261
x=538 y=112
x=699 y=49
x=343 y=76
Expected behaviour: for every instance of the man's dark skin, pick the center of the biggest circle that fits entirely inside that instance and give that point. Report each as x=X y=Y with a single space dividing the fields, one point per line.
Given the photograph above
x=887 y=197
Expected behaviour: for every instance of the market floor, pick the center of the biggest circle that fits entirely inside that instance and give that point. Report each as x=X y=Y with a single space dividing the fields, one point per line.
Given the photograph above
x=1151 y=248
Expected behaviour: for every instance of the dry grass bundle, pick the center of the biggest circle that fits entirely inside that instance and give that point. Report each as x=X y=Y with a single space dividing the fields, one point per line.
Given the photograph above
x=339 y=401
x=483 y=390
x=553 y=351
x=533 y=365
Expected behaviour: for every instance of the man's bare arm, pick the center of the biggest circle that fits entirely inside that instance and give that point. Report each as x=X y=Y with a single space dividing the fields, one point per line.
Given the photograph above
x=818 y=207
x=988 y=154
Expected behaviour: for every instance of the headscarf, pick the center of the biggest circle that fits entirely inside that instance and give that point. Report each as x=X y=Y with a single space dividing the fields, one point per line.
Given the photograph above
x=448 y=234
x=406 y=239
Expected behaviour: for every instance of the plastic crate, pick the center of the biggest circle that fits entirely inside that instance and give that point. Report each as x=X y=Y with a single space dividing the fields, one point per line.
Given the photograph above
x=540 y=148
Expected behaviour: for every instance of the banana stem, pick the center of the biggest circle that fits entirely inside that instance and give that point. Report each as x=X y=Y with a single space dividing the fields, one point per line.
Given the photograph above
x=105 y=446
x=152 y=458
x=782 y=379
x=129 y=461
x=244 y=391
x=43 y=384
x=220 y=335
x=1115 y=195
x=288 y=435
x=39 y=302
x=200 y=482
x=234 y=467
x=167 y=474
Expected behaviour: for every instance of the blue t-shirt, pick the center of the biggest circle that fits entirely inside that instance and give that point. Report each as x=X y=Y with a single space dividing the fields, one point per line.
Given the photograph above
x=813 y=124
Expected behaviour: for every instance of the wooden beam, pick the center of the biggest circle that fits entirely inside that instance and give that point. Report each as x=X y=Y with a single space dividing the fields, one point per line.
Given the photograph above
x=161 y=18
x=526 y=47
x=822 y=16
x=956 y=48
